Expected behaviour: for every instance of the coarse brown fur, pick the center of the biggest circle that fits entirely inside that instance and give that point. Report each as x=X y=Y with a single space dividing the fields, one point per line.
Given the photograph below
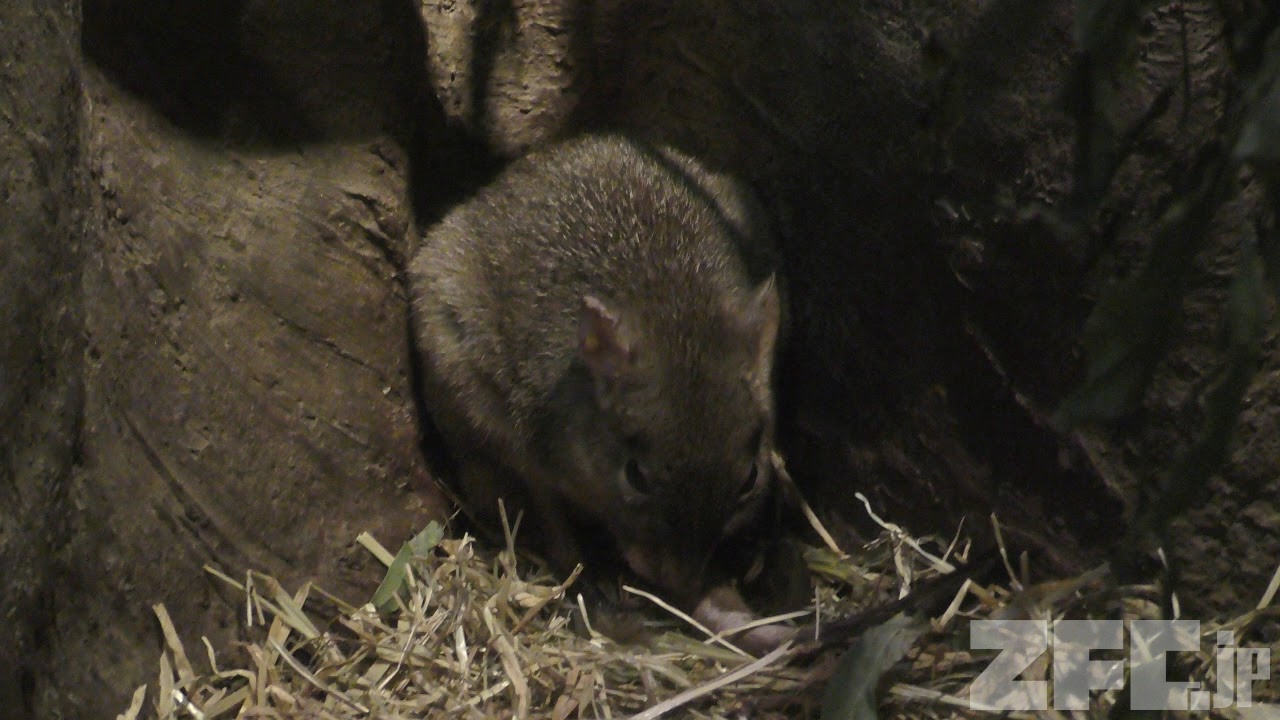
x=598 y=332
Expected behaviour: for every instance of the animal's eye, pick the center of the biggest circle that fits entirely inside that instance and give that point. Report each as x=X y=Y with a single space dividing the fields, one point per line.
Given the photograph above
x=636 y=477
x=753 y=477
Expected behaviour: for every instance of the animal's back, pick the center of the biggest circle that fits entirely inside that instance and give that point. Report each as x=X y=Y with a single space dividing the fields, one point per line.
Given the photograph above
x=500 y=282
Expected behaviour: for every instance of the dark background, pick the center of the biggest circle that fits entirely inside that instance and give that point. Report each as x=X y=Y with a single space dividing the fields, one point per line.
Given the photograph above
x=207 y=209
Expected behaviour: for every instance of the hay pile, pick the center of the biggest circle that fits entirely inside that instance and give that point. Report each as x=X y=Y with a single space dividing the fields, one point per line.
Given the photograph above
x=458 y=631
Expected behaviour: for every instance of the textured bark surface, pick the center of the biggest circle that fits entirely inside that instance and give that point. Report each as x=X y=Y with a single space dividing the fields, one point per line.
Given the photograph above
x=42 y=205
x=206 y=354
x=248 y=398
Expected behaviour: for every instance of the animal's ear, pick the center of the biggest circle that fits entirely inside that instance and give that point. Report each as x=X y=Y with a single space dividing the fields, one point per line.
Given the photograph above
x=603 y=342
x=760 y=317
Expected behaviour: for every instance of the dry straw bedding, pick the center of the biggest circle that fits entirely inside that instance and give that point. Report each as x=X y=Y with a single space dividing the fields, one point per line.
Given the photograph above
x=458 y=630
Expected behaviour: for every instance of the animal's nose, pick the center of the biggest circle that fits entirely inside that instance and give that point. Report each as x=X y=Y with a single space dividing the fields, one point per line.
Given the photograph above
x=679 y=577
x=642 y=563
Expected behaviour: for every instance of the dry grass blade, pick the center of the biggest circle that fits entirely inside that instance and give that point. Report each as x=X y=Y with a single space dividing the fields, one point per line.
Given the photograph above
x=771 y=620
x=185 y=673
x=474 y=634
x=135 y=705
x=901 y=535
x=1272 y=588
x=311 y=678
x=728 y=678
x=780 y=469
x=711 y=635
x=510 y=664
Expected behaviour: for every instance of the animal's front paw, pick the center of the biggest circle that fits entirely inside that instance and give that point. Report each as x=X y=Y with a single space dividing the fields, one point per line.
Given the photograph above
x=609 y=617
x=723 y=609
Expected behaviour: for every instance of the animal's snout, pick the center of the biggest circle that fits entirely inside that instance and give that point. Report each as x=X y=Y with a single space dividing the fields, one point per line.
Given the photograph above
x=680 y=578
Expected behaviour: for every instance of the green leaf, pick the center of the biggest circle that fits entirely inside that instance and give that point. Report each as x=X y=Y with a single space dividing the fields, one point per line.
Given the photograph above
x=1245 y=318
x=1131 y=326
x=851 y=692
x=1258 y=144
x=1106 y=33
x=418 y=547
x=1259 y=140
x=1269 y=247
x=1124 y=338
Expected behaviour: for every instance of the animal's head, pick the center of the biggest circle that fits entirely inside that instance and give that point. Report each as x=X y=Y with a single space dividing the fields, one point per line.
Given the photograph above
x=686 y=429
